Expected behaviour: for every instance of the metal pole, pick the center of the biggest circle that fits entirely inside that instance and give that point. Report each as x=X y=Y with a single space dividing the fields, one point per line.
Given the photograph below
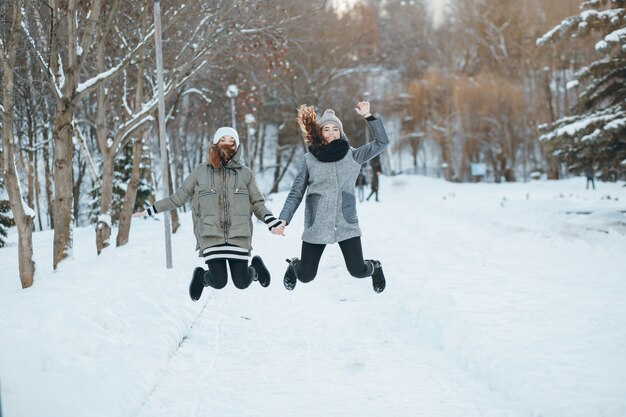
x=232 y=113
x=366 y=96
x=161 y=107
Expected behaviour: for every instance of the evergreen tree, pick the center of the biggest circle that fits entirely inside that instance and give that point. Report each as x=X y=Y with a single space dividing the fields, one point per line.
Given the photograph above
x=121 y=176
x=595 y=134
x=5 y=221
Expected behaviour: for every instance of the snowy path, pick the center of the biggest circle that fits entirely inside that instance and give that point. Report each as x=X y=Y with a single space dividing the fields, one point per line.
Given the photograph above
x=475 y=321
x=312 y=353
x=500 y=302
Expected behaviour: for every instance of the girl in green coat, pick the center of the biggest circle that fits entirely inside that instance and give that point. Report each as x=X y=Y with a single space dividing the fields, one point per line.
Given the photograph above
x=224 y=195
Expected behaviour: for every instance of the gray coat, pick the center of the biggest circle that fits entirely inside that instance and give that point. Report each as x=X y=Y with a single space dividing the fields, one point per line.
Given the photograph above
x=330 y=207
x=222 y=201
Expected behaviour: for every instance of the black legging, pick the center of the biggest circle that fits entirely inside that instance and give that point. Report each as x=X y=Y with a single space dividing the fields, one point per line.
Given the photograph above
x=238 y=272
x=352 y=254
x=374 y=191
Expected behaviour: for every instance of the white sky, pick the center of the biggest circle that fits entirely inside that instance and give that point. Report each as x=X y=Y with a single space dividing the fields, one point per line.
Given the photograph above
x=437 y=7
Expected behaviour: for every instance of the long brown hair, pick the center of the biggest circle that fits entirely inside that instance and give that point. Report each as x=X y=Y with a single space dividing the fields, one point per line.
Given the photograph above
x=217 y=155
x=311 y=132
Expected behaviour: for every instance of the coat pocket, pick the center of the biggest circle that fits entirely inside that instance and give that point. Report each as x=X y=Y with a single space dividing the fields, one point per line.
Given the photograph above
x=241 y=227
x=207 y=202
x=348 y=207
x=241 y=201
x=210 y=228
x=310 y=209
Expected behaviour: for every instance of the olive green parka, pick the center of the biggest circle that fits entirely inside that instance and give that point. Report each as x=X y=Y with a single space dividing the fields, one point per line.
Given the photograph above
x=222 y=202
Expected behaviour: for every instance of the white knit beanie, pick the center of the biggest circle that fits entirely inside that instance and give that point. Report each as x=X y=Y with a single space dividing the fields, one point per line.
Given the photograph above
x=226 y=131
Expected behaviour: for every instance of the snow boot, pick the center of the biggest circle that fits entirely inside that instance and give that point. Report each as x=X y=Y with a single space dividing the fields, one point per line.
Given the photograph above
x=261 y=273
x=197 y=284
x=378 y=278
x=291 y=275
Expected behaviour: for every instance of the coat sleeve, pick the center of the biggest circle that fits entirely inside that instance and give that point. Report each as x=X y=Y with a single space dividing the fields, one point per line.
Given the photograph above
x=257 y=201
x=181 y=196
x=364 y=153
x=296 y=193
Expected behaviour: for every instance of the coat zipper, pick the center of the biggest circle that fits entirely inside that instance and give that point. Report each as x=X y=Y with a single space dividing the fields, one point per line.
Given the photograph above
x=225 y=207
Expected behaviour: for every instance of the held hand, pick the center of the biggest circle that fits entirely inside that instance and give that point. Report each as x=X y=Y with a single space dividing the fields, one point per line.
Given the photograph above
x=280 y=230
x=363 y=108
x=140 y=214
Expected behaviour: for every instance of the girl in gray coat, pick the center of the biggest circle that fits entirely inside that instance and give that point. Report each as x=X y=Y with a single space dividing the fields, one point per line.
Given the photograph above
x=327 y=175
x=223 y=194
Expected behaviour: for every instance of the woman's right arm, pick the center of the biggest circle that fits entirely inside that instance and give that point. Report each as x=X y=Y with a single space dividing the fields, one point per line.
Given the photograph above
x=296 y=194
x=180 y=197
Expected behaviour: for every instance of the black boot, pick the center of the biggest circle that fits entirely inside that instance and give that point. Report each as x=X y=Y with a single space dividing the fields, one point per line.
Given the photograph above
x=378 y=278
x=291 y=275
x=197 y=284
x=262 y=274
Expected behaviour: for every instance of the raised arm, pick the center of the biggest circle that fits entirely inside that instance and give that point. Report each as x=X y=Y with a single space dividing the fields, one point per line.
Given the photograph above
x=380 y=140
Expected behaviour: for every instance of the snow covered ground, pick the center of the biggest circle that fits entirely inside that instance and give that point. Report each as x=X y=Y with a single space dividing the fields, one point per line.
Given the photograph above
x=502 y=300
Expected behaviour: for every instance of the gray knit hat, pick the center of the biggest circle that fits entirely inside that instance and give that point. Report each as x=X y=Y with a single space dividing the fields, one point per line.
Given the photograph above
x=329 y=118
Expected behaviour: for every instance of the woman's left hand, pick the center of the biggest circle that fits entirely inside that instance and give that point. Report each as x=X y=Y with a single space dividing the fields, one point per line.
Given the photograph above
x=279 y=230
x=363 y=108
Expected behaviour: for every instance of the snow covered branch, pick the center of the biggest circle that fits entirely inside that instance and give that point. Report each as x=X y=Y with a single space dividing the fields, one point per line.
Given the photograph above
x=88 y=85
x=31 y=42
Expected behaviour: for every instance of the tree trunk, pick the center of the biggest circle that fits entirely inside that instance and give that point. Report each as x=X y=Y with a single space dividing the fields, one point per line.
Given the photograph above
x=123 y=231
x=173 y=213
x=103 y=227
x=33 y=112
x=277 y=161
x=23 y=219
x=548 y=93
x=131 y=193
x=279 y=172
x=63 y=154
x=82 y=167
x=30 y=154
x=261 y=141
x=48 y=175
x=37 y=193
x=446 y=157
x=62 y=136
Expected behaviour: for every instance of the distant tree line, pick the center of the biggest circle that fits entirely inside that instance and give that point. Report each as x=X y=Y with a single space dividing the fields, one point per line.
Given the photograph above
x=498 y=82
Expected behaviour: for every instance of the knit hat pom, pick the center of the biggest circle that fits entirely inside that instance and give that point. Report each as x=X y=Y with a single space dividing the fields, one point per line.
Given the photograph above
x=329 y=117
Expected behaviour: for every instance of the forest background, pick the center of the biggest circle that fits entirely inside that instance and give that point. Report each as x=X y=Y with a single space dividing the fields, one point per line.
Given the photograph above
x=496 y=90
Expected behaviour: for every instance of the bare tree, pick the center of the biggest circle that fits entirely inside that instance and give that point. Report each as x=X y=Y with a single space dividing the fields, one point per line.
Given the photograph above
x=73 y=29
x=22 y=214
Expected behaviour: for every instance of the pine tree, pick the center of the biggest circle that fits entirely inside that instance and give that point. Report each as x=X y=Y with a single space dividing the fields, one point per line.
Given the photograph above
x=595 y=134
x=121 y=176
x=5 y=221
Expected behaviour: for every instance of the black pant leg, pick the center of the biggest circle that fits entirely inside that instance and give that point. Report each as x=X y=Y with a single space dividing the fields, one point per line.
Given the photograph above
x=309 y=260
x=353 y=256
x=217 y=272
x=239 y=273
